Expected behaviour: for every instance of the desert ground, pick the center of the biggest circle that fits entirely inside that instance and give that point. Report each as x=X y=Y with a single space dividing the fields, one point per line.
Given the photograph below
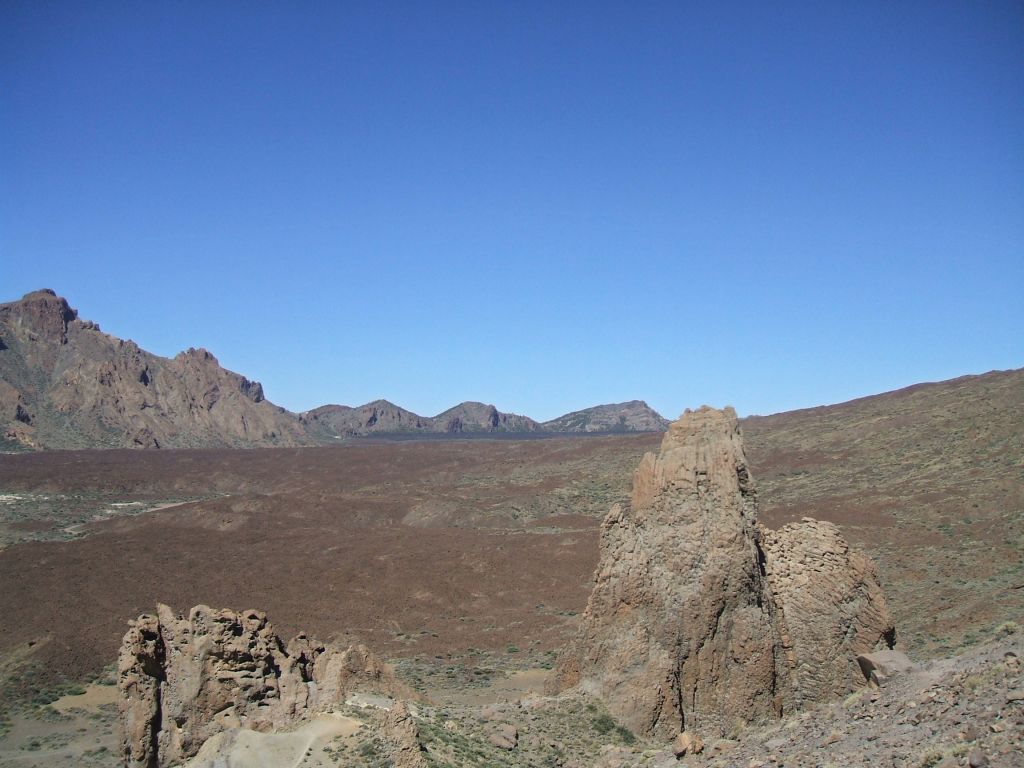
x=466 y=563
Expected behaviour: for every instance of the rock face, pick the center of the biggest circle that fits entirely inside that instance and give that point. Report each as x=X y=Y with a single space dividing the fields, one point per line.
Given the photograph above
x=829 y=608
x=65 y=384
x=185 y=679
x=634 y=416
x=699 y=618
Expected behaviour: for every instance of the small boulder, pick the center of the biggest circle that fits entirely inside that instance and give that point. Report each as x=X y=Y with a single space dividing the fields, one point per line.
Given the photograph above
x=687 y=743
x=504 y=737
x=879 y=665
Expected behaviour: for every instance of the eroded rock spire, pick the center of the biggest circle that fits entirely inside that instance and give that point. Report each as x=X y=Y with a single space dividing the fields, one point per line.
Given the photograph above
x=699 y=619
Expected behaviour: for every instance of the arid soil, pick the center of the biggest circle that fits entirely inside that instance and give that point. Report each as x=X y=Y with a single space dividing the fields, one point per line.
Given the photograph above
x=453 y=557
x=415 y=548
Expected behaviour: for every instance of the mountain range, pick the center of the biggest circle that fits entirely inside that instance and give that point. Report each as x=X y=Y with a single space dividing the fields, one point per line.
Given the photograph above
x=66 y=384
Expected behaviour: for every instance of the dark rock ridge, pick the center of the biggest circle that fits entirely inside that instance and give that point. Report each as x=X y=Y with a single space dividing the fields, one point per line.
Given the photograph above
x=634 y=416
x=385 y=418
x=184 y=679
x=66 y=384
x=378 y=417
x=480 y=417
x=700 y=619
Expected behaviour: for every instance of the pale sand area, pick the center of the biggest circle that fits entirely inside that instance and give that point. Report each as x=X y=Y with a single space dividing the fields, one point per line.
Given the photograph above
x=303 y=746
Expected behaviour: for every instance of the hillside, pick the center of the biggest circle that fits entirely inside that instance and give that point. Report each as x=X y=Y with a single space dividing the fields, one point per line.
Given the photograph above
x=379 y=417
x=634 y=416
x=462 y=559
x=66 y=384
x=929 y=478
x=480 y=417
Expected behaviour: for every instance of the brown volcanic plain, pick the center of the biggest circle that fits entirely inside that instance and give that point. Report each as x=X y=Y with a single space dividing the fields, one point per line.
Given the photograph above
x=430 y=549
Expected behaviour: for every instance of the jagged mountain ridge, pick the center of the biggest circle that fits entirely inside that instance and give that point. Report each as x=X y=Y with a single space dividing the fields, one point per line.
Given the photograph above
x=66 y=384
x=382 y=417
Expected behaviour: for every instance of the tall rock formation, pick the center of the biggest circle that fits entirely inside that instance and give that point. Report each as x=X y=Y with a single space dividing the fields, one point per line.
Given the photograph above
x=66 y=384
x=185 y=679
x=686 y=626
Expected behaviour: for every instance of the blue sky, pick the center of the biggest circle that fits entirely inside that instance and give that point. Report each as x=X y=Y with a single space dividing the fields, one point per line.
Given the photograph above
x=540 y=205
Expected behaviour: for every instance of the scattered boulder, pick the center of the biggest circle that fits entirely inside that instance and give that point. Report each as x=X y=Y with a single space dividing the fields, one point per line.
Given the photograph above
x=504 y=736
x=687 y=743
x=880 y=665
x=700 y=617
x=184 y=679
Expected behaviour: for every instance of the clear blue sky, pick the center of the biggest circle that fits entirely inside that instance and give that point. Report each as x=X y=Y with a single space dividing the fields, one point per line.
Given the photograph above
x=537 y=204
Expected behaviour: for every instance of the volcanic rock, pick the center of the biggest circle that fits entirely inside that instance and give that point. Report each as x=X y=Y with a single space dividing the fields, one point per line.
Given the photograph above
x=65 y=384
x=634 y=416
x=696 y=620
x=402 y=735
x=884 y=664
x=829 y=609
x=480 y=417
x=184 y=679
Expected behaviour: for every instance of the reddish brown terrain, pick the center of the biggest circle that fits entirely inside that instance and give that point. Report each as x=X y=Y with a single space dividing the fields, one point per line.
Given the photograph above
x=470 y=540
x=415 y=547
x=446 y=548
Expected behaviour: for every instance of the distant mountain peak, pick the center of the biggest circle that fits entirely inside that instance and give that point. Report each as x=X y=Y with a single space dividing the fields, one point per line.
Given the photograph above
x=630 y=416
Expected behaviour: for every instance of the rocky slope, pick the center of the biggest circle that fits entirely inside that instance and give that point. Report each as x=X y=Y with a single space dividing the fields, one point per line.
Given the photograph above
x=634 y=416
x=65 y=384
x=699 y=617
x=480 y=417
x=184 y=679
x=378 y=417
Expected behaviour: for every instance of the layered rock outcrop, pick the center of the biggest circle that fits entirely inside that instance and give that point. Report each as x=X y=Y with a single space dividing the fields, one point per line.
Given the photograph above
x=829 y=608
x=183 y=679
x=700 y=618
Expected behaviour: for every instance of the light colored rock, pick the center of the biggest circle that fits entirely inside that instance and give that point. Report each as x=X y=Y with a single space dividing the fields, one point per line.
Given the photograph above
x=504 y=736
x=184 y=679
x=699 y=617
x=829 y=609
x=687 y=743
x=886 y=662
x=400 y=731
x=675 y=635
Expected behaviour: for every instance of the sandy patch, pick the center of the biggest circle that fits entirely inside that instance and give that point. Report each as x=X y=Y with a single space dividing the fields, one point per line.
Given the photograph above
x=95 y=696
x=243 y=748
